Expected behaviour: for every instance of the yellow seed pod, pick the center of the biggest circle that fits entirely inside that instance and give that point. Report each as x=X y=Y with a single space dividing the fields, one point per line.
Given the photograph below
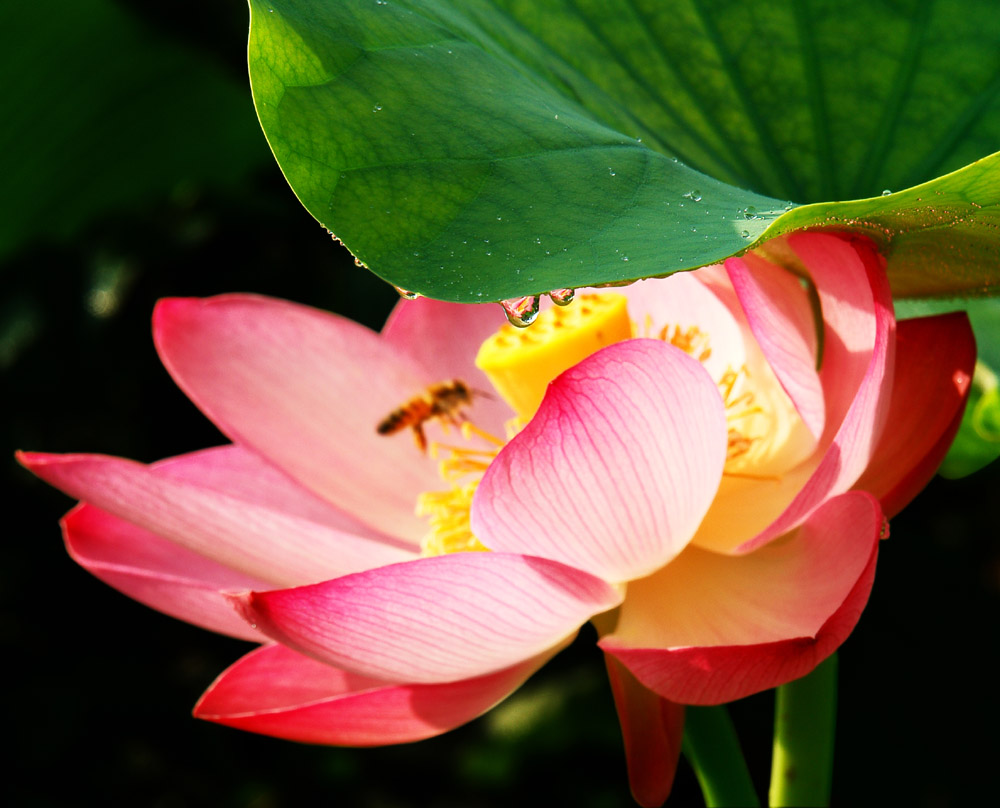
x=520 y=362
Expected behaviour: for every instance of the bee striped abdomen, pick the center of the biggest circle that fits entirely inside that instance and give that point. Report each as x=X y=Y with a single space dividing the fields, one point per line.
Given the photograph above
x=444 y=401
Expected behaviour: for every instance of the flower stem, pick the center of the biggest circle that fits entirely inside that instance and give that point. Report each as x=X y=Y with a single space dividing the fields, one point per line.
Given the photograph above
x=713 y=750
x=805 y=717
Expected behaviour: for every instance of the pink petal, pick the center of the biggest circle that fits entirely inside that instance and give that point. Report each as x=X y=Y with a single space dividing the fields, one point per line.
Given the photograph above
x=444 y=338
x=778 y=313
x=437 y=619
x=240 y=473
x=275 y=691
x=935 y=360
x=652 y=729
x=306 y=390
x=247 y=536
x=711 y=628
x=683 y=300
x=616 y=469
x=157 y=572
x=858 y=357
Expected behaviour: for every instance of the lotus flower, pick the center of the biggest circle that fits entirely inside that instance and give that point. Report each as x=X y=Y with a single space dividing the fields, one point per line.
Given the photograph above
x=678 y=471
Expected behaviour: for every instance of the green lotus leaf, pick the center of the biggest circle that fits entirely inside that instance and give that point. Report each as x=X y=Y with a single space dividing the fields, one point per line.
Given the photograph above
x=475 y=150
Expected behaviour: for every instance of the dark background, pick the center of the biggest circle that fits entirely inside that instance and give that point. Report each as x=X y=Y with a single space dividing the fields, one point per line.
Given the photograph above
x=100 y=688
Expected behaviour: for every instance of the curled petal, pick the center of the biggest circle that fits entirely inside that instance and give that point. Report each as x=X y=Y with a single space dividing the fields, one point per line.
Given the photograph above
x=437 y=619
x=712 y=628
x=935 y=360
x=778 y=314
x=616 y=469
x=858 y=360
x=275 y=691
x=652 y=729
x=156 y=572
x=306 y=390
x=247 y=536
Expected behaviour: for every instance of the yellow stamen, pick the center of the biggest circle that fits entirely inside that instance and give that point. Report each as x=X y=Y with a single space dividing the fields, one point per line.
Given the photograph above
x=448 y=515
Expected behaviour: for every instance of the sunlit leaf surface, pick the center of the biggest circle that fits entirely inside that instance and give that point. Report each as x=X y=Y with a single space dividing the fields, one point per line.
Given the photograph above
x=480 y=150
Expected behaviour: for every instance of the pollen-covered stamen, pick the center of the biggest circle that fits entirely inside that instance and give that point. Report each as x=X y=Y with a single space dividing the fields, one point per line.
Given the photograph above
x=448 y=511
x=692 y=340
x=448 y=515
x=739 y=405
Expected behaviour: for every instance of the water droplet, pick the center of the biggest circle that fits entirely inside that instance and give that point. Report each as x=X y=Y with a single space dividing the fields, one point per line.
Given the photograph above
x=694 y=196
x=538 y=240
x=377 y=108
x=749 y=212
x=557 y=117
x=611 y=171
x=562 y=297
x=624 y=258
x=521 y=311
x=886 y=192
x=745 y=234
x=406 y=295
x=499 y=218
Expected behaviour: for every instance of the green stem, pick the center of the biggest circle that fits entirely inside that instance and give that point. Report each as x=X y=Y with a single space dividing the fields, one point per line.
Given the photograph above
x=713 y=750
x=805 y=718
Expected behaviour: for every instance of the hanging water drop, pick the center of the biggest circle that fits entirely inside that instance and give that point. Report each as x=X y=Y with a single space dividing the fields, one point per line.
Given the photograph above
x=405 y=294
x=521 y=311
x=562 y=297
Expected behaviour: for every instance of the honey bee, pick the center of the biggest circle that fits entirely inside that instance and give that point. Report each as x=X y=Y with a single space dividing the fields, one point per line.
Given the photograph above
x=443 y=401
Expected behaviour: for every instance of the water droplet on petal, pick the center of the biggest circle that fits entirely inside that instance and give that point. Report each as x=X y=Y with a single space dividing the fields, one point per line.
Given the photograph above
x=562 y=297
x=406 y=295
x=521 y=311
